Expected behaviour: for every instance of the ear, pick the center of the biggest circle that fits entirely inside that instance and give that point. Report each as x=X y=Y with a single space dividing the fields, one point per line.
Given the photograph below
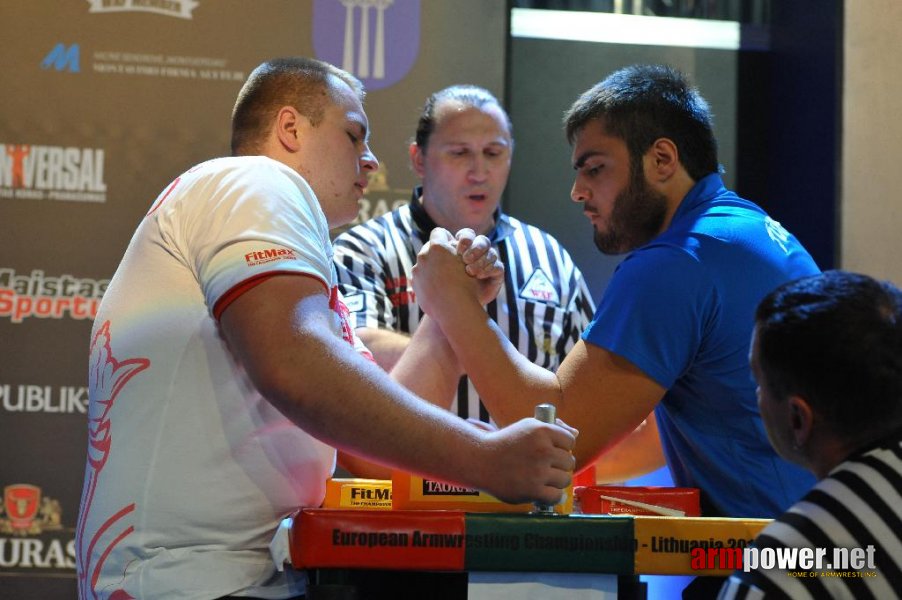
x=288 y=128
x=417 y=159
x=801 y=418
x=662 y=160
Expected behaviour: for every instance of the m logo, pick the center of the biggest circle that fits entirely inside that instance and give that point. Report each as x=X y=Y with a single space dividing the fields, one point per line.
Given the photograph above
x=61 y=58
x=380 y=40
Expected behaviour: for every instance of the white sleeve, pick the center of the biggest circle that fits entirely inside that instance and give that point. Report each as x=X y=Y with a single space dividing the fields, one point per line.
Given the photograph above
x=250 y=220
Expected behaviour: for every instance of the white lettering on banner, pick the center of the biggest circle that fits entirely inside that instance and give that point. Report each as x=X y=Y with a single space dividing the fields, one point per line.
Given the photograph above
x=41 y=399
x=68 y=174
x=52 y=168
x=792 y=559
x=181 y=9
x=30 y=553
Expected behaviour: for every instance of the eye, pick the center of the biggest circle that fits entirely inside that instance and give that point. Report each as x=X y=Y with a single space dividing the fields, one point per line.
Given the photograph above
x=594 y=170
x=354 y=138
x=459 y=152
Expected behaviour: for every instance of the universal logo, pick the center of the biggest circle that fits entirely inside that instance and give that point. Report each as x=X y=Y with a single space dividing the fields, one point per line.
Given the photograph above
x=168 y=8
x=26 y=512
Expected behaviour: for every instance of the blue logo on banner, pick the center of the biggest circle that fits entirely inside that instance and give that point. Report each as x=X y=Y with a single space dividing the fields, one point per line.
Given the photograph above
x=61 y=58
x=376 y=40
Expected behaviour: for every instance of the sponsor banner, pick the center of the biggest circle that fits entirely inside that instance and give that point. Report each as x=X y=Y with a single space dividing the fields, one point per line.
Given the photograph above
x=43 y=399
x=48 y=297
x=151 y=64
x=63 y=173
x=33 y=539
x=376 y=40
x=181 y=9
x=797 y=562
x=666 y=545
x=64 y=57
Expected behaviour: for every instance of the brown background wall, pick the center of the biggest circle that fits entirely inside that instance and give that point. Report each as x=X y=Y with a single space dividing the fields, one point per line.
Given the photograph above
x=103 y=103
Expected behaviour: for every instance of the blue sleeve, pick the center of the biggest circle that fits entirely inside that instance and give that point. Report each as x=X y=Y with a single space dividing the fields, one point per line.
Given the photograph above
x=655 y=312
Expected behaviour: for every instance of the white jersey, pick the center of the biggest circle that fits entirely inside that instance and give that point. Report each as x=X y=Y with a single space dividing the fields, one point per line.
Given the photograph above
x=189 y=469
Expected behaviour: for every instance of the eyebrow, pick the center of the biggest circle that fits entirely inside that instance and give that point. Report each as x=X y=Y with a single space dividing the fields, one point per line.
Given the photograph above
x=584 y=157
x=364 y=132
x=498 y=142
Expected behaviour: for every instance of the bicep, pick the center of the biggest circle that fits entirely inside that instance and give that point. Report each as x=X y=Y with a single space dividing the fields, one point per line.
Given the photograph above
x=605 y=396
x=267 y=326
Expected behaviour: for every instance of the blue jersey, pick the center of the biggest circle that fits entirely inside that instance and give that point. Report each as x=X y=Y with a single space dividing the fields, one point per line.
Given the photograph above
x=681 y=308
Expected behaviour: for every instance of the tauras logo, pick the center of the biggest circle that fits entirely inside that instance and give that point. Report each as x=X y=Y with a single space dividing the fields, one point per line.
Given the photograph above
x=170 y=8
x=25 y=514
x=440 y=488
x=52 y=173
x=48 y=297
x=30 y=553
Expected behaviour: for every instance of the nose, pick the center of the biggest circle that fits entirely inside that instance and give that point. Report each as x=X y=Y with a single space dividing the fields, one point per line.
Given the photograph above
x=368 y=160
x=578 y=193
x=479 y=169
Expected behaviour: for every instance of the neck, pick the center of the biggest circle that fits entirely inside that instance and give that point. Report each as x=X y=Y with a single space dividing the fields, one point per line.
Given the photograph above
x=676 y=189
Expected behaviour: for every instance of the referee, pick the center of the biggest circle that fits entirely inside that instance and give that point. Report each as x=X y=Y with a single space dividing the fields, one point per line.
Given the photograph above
x=462 y=153
x=827 y=356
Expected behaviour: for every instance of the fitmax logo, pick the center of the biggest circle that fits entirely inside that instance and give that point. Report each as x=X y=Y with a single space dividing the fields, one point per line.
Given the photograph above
x=62 y=58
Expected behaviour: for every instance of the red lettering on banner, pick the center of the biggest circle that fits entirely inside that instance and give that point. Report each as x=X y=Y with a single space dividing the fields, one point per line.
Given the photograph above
x=715 y=558
x=19 y=307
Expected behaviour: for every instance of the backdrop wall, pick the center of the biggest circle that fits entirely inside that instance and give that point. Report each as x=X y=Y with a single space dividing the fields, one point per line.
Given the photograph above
x=104 y=103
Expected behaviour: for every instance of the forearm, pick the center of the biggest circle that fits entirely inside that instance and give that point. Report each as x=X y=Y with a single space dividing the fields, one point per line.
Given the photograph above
x=369 y=425
x=508 y=383
x=386 y=345
x=429 y=367
x=637 y=454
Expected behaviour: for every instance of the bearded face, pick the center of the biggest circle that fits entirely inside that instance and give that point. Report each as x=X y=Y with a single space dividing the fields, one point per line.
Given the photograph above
x=636 y=217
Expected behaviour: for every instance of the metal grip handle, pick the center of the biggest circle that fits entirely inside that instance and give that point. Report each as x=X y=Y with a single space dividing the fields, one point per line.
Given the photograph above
x=546 y=414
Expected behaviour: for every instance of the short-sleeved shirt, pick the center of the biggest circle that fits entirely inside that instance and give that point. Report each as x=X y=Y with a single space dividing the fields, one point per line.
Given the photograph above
x=190 y=470
x=681 y=308
x=543 y=306
x=857 y=506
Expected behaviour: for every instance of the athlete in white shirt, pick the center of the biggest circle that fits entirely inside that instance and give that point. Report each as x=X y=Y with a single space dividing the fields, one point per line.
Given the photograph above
x=223 y=369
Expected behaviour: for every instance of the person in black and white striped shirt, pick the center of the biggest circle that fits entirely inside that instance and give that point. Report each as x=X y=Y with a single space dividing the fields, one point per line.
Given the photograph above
x=462 y=153
x=827 y=355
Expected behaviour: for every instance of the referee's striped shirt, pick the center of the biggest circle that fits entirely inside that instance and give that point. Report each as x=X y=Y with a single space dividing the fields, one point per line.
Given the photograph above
x=542 y=308
x=859 y=504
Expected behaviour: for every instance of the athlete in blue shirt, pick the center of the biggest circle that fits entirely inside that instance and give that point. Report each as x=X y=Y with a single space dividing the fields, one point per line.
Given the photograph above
x=671 y=334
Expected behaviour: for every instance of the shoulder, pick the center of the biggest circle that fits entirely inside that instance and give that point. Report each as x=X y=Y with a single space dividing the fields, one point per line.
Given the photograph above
x=662 y=265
